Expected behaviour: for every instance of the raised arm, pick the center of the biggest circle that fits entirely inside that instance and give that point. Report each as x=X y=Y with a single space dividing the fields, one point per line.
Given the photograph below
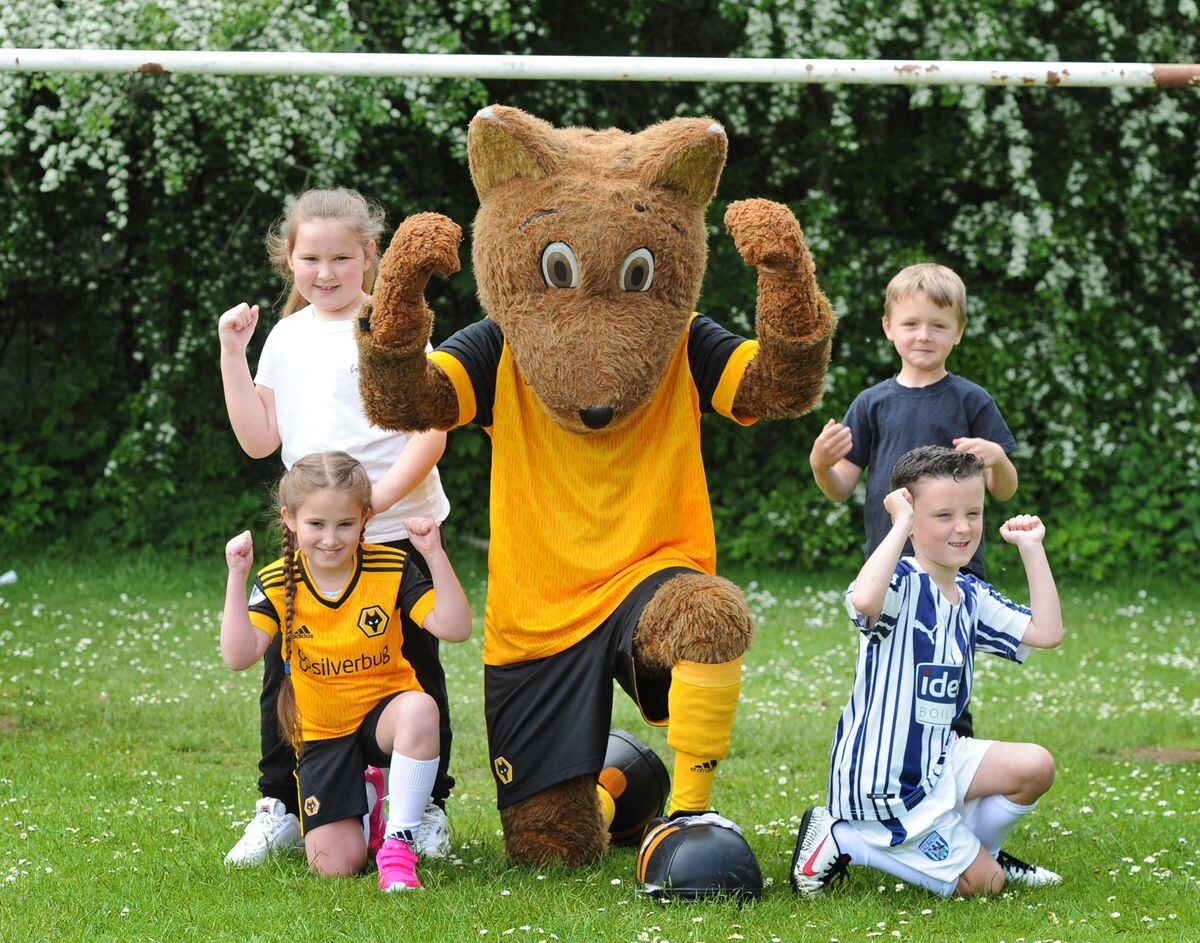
x=1026 y=532
x=794 y=321
x=450 y=618
x=871 y=584
x=401 y=389
x=251 y=408
x=242 y=643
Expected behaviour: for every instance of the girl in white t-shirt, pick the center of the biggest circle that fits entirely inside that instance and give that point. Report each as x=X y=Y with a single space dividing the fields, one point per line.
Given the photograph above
x=305 y=399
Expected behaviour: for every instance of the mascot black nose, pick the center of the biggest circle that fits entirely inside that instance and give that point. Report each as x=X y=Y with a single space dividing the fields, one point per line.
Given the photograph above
x=596 y=417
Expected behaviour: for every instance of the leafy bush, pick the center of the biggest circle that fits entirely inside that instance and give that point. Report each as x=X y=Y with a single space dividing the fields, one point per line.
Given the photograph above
x=135 y=208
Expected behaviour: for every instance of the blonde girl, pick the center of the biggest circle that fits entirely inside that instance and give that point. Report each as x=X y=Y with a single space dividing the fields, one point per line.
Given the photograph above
x=349 y=698
x=304 y=398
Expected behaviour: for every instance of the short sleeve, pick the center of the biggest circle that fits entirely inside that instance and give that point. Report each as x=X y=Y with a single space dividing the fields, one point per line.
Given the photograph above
x=862 y=432
x=893 y=605
x=415 y=598
x=1000 y=623
x=268 y=363
x=986 y=422
x=718 y=359
x=470 y=358
x=263 y=614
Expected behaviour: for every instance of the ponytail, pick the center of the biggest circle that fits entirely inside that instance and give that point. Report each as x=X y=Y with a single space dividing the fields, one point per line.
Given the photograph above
x=285 y=707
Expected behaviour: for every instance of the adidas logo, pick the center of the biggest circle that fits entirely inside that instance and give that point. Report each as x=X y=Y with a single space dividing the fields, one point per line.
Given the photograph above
x=708 y=766
x=303 y=632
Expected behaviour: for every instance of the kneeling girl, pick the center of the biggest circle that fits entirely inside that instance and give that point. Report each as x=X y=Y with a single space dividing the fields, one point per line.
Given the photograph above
x=349 y=699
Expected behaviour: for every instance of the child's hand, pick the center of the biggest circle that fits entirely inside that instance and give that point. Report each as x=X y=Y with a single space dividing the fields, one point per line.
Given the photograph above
x=236 y=327
x=1024 y=530
x=239 y=554
x=985 y=450
x=831 y=446
x=899 y=504
x=423 y=534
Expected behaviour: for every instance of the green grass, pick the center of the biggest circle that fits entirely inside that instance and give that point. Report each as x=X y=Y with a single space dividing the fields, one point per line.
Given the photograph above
x=127 y=768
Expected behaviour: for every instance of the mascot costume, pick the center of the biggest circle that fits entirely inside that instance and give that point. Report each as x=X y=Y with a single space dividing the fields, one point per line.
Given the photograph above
x=590 y=373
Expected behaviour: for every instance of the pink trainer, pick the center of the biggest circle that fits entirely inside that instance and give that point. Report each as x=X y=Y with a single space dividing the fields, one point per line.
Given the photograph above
x=397 y=864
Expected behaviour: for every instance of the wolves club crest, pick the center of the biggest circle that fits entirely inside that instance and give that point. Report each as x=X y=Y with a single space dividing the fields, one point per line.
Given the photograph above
x=373 y=621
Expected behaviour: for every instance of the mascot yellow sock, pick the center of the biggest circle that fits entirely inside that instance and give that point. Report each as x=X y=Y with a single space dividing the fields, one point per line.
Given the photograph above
x=608 y=805
x=702 y=702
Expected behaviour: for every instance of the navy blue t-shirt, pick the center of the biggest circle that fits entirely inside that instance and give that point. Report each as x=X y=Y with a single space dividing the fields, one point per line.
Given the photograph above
x=888 y=420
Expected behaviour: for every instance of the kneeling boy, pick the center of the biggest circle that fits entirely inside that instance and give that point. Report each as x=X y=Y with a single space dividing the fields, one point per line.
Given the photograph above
x=906 y=795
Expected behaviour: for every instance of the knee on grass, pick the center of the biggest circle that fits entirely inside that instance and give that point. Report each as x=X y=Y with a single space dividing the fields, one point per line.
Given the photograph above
x=344 y=863
x=984 y=877
x=560 y=825
x=338 y=849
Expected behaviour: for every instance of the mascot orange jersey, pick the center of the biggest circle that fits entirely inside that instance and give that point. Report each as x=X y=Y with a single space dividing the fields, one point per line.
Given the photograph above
x=562 y=577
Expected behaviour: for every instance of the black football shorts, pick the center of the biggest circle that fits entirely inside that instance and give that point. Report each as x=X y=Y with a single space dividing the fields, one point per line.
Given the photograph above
x=548 y=718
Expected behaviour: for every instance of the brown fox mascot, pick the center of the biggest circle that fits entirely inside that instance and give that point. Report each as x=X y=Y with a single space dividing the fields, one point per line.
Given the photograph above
x=590 y=373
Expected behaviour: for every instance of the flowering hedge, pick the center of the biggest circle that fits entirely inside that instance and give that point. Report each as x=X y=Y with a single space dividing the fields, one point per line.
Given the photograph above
x=134 y=208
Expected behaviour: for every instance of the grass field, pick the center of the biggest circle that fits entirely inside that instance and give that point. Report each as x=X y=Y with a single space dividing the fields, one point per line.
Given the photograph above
x=127 y=768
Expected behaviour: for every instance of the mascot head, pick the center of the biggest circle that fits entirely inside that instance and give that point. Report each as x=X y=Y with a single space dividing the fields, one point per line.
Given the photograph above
x=589 y=250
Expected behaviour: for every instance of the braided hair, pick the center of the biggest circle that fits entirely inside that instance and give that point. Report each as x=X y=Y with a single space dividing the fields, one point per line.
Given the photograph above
x=318 y=471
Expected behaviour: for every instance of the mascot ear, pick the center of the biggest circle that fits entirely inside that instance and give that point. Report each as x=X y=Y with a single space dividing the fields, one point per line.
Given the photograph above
x=505 y=143
x=684 y=154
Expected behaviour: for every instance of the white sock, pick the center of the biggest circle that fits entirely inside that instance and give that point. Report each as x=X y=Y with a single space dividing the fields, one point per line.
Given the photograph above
x=850 y=843
x=994 y=818
x=410 y=783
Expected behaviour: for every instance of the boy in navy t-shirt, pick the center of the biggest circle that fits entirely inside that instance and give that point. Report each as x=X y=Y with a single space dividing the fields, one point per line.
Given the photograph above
x=924 y=314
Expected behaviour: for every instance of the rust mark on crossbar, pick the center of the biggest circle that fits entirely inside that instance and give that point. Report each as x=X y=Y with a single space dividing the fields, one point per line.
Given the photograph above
x=915 y=68
x=152 y=68
x=1173 y=75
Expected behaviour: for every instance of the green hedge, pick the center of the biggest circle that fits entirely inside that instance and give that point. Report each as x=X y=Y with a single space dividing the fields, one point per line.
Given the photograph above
x=134 y=209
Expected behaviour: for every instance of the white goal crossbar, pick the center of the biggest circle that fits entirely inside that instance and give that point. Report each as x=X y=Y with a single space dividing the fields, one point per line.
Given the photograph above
x=609 y=68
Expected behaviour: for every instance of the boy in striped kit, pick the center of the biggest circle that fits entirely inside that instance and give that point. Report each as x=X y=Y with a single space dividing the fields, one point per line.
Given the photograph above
x=906 y=795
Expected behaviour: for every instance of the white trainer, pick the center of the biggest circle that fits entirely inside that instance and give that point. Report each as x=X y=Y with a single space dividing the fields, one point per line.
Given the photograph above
x=1017 y=871
x=817 y=861
x=433 y=834
x=273 y=828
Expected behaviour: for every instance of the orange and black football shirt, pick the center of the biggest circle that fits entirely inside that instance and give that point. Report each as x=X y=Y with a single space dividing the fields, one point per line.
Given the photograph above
x=557 y=564
x=346 y=649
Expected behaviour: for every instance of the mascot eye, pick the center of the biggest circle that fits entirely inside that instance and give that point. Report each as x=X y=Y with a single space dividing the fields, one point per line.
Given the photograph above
x=559 y=267
x=637 y=272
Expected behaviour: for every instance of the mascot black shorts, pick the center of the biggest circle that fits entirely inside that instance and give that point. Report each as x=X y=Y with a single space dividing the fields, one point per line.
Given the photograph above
x=548 y=719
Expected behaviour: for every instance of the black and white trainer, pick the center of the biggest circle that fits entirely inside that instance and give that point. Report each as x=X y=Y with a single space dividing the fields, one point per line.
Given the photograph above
x=818 y=862
x=1017 y=871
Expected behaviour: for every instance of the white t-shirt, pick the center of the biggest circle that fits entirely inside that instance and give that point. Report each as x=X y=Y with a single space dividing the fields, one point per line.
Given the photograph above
x=311 y=366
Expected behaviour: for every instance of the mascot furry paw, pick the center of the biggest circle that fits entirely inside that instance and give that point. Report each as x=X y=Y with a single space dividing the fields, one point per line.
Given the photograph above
x=590 y=373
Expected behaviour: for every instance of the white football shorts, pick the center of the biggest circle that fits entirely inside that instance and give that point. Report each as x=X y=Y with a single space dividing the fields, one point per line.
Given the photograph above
x=939 y=842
